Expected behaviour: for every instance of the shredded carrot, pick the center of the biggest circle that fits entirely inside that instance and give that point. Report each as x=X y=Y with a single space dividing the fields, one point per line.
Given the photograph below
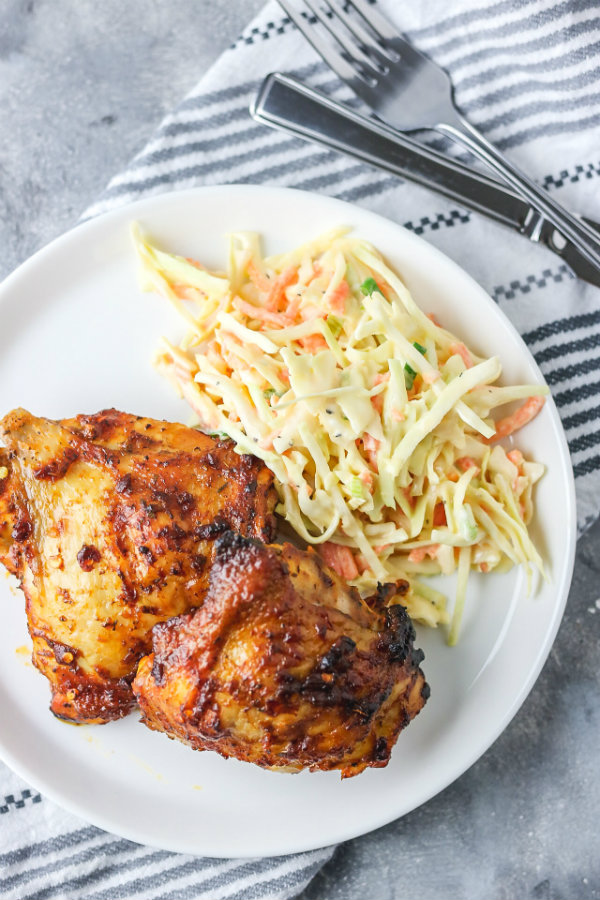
x=467 y=462
x=382 y=285
x=370 y=446
x=464 y=354
x=317 y=270
x=439 y=515
x=367 y=479
x=227 y=354
x=308 y=313
x=217 y=359
x=377 y=400
x=398 y=415
x=484 y=567
x=430 y=377
x=283 y=281
x=418 y=554
x=379 y=548
x=182 y=373
x=257 y=278
x=266 y=443
x=337 y=298
x=516 y=457
x=433 y=318
x=185 y=292
x=340 y=559
x=518 y=419
x=195 y=263
x=261 y=314
x=312 y=343
x=293 y=308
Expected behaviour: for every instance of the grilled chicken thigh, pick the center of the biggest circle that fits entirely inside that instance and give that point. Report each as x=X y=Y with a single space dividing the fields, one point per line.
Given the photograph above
x=283 y=665
x=109 y=522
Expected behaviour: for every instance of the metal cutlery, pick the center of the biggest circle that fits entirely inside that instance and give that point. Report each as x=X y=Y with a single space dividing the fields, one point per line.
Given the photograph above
x=410 y=92
x=285 y=103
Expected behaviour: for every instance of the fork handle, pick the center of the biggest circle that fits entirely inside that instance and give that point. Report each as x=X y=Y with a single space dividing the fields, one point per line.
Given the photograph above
x=572 y=229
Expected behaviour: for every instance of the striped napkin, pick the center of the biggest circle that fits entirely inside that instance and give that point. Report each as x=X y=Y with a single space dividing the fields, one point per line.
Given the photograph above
x=526 y=73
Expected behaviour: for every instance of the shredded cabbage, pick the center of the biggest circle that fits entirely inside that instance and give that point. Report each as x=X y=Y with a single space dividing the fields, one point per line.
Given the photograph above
x=375 y=420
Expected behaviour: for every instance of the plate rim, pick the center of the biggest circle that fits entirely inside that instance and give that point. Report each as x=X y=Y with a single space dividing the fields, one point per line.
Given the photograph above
x=136 y=210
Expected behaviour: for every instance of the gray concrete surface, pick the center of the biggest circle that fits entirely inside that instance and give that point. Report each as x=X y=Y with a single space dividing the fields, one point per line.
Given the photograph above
x=82 y=85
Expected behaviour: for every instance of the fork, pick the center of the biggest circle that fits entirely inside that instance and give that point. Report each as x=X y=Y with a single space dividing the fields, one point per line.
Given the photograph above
x=409 y=91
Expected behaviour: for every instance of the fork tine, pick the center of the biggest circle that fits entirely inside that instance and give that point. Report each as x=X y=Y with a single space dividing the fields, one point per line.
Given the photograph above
x=361 y=34
x=376 y=21
x=348 y=45
x=331 y=56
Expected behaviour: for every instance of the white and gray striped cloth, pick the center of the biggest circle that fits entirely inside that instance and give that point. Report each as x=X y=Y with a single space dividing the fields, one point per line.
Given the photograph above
x=526 y=73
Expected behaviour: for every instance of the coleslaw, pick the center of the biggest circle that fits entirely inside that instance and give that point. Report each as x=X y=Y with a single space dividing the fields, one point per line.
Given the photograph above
x=375 y=420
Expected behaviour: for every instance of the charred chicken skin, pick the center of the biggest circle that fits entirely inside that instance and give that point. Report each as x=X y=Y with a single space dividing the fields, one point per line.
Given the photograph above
x=109 y=522
x=283 y=665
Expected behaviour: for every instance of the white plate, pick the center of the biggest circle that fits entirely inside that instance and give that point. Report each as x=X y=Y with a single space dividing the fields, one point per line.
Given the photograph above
x=77 y=336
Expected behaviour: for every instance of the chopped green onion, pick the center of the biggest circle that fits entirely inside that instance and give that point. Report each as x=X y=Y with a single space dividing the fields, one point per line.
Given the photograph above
x=409 y=376
x=370 y=285
x=335 y=325
x=420 y=347
x=356 y=487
